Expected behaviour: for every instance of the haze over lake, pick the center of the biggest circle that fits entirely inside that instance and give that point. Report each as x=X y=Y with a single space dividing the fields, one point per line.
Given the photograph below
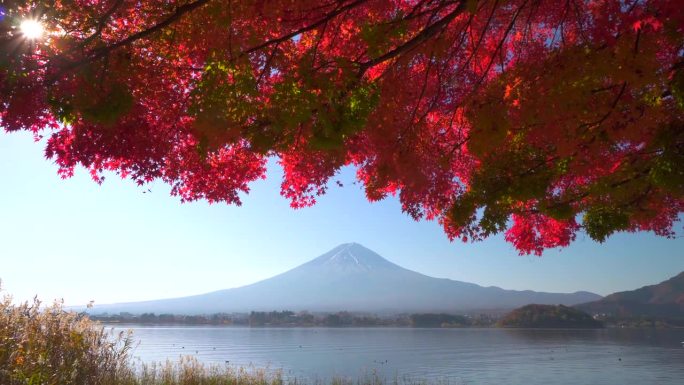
x=459 y=356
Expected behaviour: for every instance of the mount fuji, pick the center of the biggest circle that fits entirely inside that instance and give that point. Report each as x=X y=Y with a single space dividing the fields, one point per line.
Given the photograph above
x=353 y=278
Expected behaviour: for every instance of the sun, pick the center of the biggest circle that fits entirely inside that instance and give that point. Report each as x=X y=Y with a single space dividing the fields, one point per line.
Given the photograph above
x=31 y=29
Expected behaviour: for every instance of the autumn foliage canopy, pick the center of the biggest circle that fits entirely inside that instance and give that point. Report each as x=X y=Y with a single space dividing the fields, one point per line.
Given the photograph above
x=537 y=118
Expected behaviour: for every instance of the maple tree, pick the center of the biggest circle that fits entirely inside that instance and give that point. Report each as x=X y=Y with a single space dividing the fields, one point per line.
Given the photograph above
x=534 y=117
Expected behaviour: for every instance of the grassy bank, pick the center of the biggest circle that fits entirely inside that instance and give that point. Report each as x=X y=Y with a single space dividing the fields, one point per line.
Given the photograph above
x=42 y=345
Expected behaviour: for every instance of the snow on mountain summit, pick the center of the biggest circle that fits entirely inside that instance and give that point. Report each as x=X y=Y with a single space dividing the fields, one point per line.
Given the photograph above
x=352 y=256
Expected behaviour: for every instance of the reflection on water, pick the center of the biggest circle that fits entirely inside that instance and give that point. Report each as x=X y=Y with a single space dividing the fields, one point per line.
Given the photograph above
x=472 y=356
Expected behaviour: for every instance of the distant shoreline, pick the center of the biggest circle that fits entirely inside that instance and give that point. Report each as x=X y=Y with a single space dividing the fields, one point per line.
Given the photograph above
x=611 y=327
x=344 y=319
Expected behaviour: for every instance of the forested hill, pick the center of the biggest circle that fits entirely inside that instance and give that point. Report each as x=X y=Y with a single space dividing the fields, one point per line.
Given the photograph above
x=548 y=316
x=665 y=300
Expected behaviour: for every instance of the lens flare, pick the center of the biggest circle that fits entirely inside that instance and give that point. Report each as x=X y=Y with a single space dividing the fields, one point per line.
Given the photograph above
x=31 y=29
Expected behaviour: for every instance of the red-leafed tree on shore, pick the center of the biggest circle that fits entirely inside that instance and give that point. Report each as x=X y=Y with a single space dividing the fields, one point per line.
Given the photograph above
x=534 y=117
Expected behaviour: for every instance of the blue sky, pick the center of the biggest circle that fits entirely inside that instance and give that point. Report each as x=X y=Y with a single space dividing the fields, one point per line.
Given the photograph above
x=79 y=241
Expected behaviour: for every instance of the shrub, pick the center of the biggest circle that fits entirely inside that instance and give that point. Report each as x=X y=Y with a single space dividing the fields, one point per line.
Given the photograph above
x=51 y=346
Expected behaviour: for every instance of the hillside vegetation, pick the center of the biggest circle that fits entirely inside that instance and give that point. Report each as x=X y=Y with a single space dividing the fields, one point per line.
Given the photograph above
x=548 y=316
x=664 y=300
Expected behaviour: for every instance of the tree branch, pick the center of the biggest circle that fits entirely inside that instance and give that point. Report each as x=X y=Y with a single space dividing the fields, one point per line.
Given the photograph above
x=99 y=53
x=416 y=40
x=309 y=27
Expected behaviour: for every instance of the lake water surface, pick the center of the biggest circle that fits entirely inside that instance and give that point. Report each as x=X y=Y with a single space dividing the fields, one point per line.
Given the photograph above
x=459 y=356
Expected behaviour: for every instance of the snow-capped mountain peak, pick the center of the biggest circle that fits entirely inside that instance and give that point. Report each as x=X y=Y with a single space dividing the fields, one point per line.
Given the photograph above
x=352 y=256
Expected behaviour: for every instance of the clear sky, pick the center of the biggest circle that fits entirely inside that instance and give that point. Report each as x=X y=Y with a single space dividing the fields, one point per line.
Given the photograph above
x=79 y=241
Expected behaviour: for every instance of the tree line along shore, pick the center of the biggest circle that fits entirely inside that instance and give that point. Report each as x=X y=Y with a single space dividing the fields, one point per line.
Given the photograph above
x=529 y=316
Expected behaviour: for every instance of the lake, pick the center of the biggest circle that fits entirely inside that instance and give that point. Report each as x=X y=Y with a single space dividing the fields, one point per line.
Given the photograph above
x=456 y=356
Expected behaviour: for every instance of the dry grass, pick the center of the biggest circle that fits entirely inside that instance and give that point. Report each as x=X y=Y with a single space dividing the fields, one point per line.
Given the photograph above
x=189 y=371
x=46 y=345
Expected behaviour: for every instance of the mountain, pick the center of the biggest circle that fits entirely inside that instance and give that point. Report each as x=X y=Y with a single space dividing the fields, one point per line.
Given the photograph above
x=354 y=278
x=665 y=299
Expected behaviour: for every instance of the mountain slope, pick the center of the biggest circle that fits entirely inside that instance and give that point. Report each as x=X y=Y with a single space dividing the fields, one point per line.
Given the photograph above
x=665 y=299
x=351 y=277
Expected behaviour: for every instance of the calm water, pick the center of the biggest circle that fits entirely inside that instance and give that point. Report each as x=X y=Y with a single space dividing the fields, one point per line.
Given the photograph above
x=459 y=356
